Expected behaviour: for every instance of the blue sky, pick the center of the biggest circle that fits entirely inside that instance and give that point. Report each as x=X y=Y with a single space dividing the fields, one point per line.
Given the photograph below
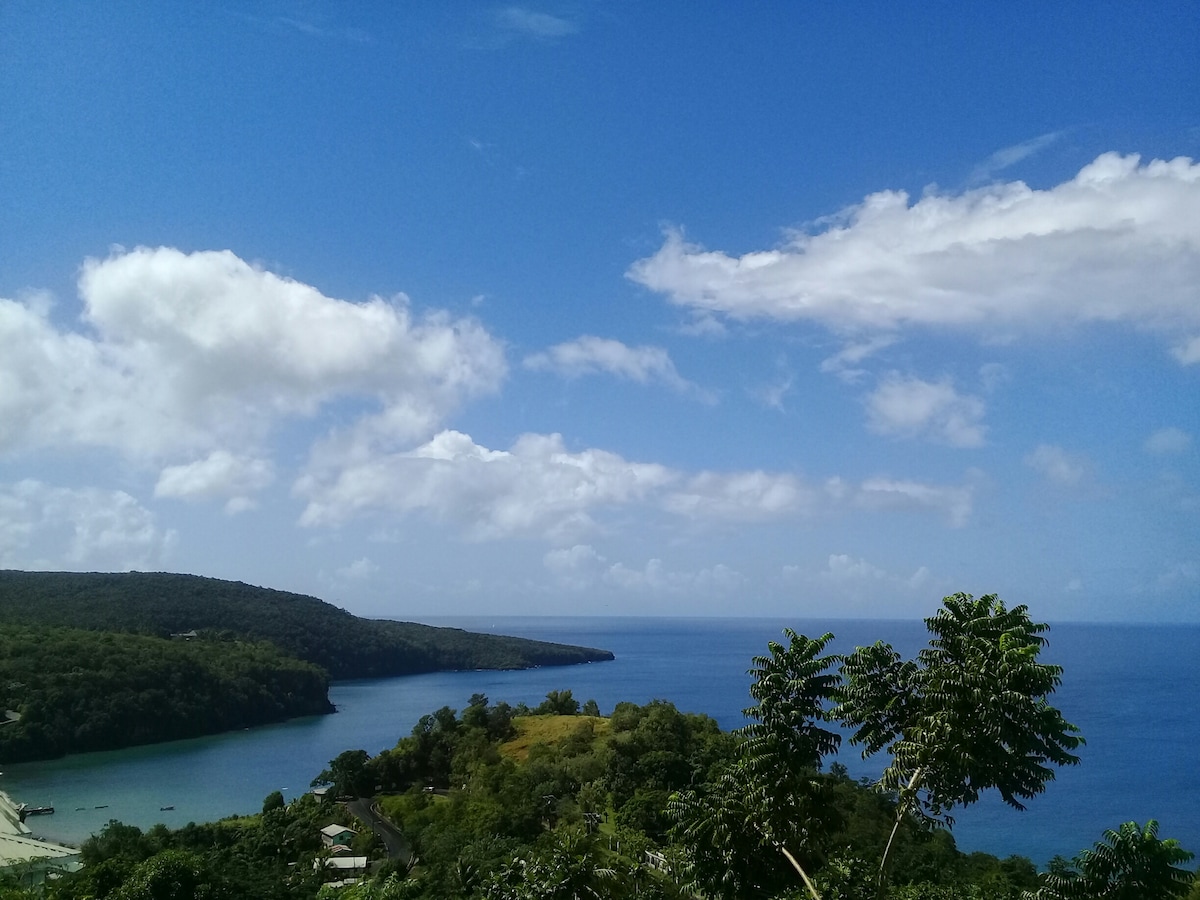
x=607 y=308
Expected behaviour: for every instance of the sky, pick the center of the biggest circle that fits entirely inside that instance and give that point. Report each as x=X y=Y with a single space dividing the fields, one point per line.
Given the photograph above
x=607 y=308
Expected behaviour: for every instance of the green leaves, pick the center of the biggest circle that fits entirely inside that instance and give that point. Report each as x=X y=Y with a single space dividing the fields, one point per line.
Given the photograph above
x=1131 y=863
x=971 y=713
x=792 y=686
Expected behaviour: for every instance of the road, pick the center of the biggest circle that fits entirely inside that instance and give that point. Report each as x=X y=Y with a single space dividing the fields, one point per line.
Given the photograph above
x=397 y=847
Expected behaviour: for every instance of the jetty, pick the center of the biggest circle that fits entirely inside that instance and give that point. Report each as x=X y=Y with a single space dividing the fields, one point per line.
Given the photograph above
x=20 y=851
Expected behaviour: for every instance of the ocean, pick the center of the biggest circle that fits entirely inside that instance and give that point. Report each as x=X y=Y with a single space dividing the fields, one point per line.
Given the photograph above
x=1134 y=691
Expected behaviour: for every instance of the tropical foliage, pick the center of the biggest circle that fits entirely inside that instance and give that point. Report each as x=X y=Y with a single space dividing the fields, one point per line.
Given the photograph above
x=68 y=691
x=512 y=803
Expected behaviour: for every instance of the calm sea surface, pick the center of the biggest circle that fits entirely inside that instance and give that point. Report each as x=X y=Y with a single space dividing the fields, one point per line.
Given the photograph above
x=1133 y=690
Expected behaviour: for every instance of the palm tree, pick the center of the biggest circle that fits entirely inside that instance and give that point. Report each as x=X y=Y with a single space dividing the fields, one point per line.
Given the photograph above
x=1131 y=863
x=971 y=713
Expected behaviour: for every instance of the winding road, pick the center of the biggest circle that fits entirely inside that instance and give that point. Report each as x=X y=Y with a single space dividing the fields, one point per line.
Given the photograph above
x=368 y=811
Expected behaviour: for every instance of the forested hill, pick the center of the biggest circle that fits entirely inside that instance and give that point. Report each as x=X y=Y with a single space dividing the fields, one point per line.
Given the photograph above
x=345 y=645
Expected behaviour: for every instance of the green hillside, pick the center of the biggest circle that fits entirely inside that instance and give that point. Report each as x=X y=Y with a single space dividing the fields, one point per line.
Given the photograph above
x=67 y=690
x=345 y=645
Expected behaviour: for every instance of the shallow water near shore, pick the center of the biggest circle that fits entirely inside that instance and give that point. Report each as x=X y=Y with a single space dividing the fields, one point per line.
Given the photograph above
x=1133 y=690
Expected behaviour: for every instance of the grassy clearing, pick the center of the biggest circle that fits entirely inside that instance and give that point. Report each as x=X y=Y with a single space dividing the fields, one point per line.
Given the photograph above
x=551 y=730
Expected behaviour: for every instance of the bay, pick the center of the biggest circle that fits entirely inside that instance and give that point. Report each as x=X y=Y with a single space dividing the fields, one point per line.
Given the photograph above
x=1132 y=689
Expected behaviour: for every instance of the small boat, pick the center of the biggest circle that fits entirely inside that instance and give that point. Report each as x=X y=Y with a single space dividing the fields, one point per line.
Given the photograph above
x=165 y=808
x=105 y=806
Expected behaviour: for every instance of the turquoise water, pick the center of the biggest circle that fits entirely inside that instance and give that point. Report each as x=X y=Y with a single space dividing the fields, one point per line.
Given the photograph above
x=1133 y=690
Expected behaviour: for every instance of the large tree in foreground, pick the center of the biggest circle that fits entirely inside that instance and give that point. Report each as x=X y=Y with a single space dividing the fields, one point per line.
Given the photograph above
x=772 y=800
x=971 y=713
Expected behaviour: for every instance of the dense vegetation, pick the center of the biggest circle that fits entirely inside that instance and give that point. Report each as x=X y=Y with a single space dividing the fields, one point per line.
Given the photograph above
x=344 y=645
x=88 y=661
x=67 y=690
x=504 y=803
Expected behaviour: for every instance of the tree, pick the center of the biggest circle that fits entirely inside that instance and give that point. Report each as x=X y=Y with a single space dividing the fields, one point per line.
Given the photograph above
x=558 y=703
x=348 y=773
x=1131 y=863
x=273 y=801
x=785 y=744
x=772 y=797
x=971 y=713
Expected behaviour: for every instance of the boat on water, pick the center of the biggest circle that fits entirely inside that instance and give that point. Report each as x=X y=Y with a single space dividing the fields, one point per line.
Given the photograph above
x=24 y=810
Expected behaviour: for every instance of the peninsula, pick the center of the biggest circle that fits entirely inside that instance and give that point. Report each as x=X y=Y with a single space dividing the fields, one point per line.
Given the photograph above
x=99 y=661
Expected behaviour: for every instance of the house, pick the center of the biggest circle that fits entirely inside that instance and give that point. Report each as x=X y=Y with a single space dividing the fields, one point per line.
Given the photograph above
x=30 y=860
x=335 y=836
x=342 y=870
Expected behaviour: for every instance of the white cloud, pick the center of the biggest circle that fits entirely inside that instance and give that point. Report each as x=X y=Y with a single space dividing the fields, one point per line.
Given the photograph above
x=581 y=568
x=1055 y=464
x=46 y=527
x=845 y=363
x=576 y=568
x=589 y=355
x=656 y=577
x=1167 y=442
x=539 y=488
x=1010 y=156
x=199 y=355
x=909 y=407
x=1118 y=243
x=220 y=474
x=536 y=487
x=741 y=496
x=885 y=493
x=534 y=24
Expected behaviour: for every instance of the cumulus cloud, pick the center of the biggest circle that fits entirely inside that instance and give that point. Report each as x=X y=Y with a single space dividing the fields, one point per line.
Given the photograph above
x=536 y=487
x=909 y=407
x=540 y=488
x=1118 y=243
x=220 y=474
x=1167 y=442
x=1056 y=464
x=192 y=360
x=47 y=527
x=589 y=355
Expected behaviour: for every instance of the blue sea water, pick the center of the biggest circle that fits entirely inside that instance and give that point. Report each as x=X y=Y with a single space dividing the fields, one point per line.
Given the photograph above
x=1133 y=690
